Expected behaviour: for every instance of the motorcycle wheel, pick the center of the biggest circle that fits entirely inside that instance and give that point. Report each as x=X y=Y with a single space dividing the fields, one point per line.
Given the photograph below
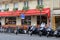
x=47 y=34
x=30 y=33
x=40 y=33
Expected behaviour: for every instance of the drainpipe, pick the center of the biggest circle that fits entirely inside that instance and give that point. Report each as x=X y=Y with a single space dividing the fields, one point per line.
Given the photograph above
x=51 y=18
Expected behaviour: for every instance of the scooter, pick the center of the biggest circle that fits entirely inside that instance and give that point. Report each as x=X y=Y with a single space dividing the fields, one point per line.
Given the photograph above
x=28 y=29
x=50 y=32
x=41 y=31
x=31 y=30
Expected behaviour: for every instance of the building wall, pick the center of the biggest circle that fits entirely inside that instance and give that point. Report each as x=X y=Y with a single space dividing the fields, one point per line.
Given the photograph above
x=56 y=12
x=56 y=3
x=3 y=7
x=18 y=21
x=3 y=21
x=33 y=20
x=32 y=5
x=48 y=4
x=53 y=23
x=10 y=6
x=20 y=5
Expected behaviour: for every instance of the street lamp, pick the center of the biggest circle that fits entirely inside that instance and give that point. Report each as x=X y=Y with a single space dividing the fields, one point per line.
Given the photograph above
x=41 y=8
x=40 y=16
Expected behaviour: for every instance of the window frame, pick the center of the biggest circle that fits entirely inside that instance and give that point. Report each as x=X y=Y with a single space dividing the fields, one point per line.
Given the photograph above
x=16 y=5
x=6 y=6
x=26 y=3
x=1 y=7
x=40 y=2
x=25 y=22
x=9 y=21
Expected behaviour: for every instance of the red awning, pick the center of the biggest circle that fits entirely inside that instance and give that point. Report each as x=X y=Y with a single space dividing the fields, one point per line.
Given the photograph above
x=10 y=13
x=37 y=12
x=29 y=12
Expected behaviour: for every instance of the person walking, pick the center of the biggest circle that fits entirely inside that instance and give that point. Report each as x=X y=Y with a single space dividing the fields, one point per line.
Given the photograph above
x=16 y=30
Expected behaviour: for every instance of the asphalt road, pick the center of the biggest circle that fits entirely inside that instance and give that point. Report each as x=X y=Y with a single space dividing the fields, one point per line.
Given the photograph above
x=5 y=36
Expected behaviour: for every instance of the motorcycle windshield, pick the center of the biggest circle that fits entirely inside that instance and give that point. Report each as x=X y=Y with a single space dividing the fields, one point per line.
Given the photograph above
x=41 y=28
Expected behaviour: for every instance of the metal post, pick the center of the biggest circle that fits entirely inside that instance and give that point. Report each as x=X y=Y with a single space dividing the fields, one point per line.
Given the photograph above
x=40 y=16
x=51 y=18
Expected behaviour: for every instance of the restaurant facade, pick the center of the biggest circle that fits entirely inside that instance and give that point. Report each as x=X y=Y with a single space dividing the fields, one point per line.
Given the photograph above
x=18 y=17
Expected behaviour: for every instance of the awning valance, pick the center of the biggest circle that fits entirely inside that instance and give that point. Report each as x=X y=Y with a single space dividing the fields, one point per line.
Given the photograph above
x=29 y=12
x=38 y=12
x=10 y=13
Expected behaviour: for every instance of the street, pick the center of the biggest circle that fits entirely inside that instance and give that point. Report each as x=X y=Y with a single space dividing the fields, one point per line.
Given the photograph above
x=6 y=36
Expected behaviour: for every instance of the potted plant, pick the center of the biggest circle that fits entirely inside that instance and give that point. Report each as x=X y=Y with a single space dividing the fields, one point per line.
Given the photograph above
x=39 y=6
x=25 y=8
x=6 y=9
x=15 y=8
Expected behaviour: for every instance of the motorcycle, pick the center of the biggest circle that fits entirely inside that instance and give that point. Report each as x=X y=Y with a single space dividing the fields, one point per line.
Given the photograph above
x=32 y=29
x=50 y=32
x=57 y=32
x=41 y=31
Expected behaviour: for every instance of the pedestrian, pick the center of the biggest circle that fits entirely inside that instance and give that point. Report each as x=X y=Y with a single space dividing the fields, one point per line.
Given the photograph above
x=16 y=30
x=43 y=25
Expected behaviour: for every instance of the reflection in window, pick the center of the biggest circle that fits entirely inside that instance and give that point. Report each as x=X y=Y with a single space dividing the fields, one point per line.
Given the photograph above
x=6 y=6
x=15 y=5
x=10 y=20
x=26 y=3
x=0 y=7
x=39 y=2
x=26 y=21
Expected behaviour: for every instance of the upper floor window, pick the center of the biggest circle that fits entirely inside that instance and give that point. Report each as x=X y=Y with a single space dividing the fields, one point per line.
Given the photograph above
x=39 y=2
x=0 y=7
x=26 y=3
x=6 y=6
x=15 y=5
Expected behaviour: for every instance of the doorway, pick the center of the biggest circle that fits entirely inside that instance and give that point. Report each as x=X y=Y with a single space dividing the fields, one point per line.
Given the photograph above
x=43 y=19
x=57 y=21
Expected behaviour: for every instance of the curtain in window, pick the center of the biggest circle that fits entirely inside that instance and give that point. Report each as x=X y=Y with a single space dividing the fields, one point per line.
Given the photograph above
x=6 y=6
x=15 y=5
x=40 y=2
x=26 y=3
x=0 y=7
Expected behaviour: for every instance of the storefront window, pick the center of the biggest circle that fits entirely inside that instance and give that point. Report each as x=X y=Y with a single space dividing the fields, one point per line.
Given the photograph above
x=43 y=19
x=10 y=20
x=57 y=21
x=26 y=21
